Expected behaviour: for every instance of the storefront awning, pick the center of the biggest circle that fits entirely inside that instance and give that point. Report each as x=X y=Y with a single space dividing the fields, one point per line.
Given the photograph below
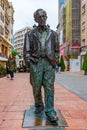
x=3 y=59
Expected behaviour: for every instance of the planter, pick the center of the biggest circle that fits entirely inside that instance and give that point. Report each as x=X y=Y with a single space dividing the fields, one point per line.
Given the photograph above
x=85 y=72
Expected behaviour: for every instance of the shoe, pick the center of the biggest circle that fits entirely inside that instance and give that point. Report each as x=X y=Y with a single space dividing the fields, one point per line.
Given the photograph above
x=39 y=109
x=52 y=116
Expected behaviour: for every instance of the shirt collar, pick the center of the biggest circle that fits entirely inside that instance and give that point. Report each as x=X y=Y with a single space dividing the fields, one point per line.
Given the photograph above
x=44 y=28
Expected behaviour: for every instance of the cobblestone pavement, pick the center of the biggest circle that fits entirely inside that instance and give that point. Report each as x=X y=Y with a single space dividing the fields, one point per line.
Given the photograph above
x=16 y=96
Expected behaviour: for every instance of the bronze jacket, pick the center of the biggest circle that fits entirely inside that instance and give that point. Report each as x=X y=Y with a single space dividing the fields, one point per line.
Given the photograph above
x=32 y=46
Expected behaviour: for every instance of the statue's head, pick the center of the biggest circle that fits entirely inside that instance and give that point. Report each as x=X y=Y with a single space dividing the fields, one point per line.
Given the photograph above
x=40 y=17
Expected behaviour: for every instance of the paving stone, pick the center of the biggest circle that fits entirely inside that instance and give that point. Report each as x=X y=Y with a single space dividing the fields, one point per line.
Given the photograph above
x=16 y=96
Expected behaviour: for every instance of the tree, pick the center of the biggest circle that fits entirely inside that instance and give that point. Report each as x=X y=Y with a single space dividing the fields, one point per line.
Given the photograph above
x=14 y=52
x=62 y=63
x=84 y=66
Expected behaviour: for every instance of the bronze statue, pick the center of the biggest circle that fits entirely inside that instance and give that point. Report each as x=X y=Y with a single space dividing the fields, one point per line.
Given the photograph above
x=41 y=52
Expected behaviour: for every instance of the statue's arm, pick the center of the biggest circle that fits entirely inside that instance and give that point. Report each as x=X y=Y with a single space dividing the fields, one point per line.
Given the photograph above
x=26 y=49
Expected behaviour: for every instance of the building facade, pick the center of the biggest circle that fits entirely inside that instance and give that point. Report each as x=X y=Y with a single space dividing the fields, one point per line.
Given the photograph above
x=83 y=29
x=62 y=25
x=73 y=32
x=61 y=3
x=70 y=29
x=62 y=29
x=18 y=40
x=73 y=28
x=6 y=29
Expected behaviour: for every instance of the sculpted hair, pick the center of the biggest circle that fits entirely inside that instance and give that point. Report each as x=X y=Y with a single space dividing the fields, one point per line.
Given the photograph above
x=37 y=12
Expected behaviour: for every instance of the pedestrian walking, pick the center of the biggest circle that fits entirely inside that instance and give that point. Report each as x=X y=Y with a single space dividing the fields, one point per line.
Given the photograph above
x=41 y=51
x=7 y=72
x=11 y=65
x=59 y=67
x=56 y=68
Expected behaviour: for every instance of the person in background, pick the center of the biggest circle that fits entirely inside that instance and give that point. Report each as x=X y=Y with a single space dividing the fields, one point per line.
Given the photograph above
x=7 y=71
x=41 y=51
x=59 y=67
x=11 y=65
x=56 y=68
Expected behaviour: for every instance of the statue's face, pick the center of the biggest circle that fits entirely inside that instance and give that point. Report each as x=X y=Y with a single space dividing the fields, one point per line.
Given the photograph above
x=41 y=18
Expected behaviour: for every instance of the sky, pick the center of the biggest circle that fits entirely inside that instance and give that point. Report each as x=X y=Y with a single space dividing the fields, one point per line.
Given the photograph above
x=24 y=10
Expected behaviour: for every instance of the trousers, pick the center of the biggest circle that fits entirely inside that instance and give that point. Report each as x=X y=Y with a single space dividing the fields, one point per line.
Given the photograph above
x=42 y=74
x=11 y=72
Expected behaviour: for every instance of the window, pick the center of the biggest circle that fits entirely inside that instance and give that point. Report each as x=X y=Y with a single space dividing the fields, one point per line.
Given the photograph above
x=83 y=42
x=1 y=17
x=1 y=30
x=2 y=4
x=83 y=26
x=83 y=9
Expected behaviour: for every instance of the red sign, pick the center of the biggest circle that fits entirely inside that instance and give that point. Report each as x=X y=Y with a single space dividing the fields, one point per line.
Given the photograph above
x=75 y=46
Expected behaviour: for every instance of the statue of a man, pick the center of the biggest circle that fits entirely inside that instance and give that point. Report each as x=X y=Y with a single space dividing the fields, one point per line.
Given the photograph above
x=41 y=52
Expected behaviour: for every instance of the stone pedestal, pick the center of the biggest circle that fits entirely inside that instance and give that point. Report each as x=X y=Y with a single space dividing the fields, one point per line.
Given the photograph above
x=40 y=121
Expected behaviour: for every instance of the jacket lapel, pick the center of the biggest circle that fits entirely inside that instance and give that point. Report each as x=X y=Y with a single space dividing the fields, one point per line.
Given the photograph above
x=48 y=34
x=36 y=35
